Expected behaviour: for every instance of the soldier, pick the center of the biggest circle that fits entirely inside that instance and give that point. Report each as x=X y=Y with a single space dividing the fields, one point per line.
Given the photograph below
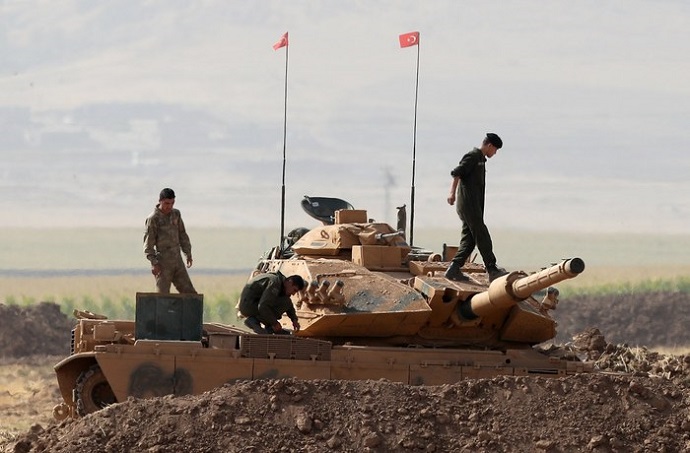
x=469 y=182
x=164 y=237
x=550 y=300
x=264 y=300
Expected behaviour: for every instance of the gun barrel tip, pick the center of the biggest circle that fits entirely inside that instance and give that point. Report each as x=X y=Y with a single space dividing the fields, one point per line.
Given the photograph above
x=576 y=265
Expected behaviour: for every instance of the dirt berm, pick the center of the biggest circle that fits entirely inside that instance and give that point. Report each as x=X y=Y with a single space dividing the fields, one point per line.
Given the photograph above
x=40 y=329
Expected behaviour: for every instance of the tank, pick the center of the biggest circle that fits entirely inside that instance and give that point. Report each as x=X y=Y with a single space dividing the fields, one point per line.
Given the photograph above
x=374 y=308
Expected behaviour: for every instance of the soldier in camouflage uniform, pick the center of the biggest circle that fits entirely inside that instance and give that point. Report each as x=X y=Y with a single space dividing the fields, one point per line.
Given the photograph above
x=164 y=237
x=468 y=188
x=265 y=298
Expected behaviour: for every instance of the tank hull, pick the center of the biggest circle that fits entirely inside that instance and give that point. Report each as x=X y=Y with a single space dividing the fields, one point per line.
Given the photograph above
x=154 y=368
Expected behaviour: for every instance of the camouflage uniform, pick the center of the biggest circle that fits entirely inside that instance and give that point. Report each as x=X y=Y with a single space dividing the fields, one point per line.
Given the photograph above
x=164 y=237
x=469 y=205
x=264 y=298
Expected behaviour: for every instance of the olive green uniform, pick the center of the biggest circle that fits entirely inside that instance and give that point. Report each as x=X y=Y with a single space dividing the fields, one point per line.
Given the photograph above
x=469 y=204
x=264 y=298
x=164 y=237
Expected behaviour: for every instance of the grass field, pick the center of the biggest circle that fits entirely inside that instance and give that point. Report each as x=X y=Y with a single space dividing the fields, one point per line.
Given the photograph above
x=239 y=248
x=115 y=296
x=27 y=394
x=102 y=269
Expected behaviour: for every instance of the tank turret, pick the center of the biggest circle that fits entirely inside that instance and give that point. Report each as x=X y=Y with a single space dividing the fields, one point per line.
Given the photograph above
x=369 y=287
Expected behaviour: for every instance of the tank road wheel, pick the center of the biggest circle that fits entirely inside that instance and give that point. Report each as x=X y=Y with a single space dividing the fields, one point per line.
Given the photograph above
x=93 y=391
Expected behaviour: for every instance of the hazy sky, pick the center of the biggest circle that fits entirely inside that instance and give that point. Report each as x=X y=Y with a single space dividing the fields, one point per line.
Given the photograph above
x=592 y=99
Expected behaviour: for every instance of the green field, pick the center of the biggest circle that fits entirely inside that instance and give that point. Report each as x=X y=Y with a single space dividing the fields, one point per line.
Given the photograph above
x=102 y=269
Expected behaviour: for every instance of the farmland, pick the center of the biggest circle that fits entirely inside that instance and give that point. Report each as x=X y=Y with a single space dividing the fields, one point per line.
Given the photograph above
x=102 y=269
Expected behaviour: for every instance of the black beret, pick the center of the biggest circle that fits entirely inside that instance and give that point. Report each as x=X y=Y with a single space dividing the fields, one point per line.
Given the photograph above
x=494 y=140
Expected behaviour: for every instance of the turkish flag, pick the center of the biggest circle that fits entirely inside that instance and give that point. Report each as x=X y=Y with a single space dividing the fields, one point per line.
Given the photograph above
x=409 y=39
x=283 y=42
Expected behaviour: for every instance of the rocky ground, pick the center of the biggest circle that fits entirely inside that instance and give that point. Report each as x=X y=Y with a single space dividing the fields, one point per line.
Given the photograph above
x=646 y=409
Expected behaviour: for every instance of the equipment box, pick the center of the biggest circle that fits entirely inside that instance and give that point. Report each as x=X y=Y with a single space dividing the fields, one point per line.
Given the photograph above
x=351 y=216
x=449 y=252
x=376 y=256
x=177 y=317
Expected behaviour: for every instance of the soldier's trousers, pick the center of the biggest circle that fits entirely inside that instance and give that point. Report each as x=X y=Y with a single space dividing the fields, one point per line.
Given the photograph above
x=474 y=234
x=174 y=271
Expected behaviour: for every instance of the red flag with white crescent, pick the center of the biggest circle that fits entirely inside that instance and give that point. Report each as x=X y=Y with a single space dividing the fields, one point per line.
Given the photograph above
x=282 y=42
x=409 y=39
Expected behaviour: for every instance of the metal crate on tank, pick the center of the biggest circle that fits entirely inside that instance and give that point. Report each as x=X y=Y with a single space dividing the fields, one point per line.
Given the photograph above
x=176 y=317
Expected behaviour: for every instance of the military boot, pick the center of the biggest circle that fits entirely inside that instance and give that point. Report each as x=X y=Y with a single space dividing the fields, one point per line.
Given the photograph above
x=255 y=325
x=495 y=272
x=454 y=273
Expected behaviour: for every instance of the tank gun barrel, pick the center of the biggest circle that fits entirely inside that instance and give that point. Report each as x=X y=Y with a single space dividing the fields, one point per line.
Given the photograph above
x=384 y=236
x=570 y=268
x=506 y=291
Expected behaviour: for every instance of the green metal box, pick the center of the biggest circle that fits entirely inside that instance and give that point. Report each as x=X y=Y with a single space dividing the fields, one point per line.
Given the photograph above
x=176 y=317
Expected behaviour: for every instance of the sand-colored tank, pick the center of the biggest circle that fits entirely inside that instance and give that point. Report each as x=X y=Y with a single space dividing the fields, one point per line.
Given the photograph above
x=374 y=308
x=366 y=288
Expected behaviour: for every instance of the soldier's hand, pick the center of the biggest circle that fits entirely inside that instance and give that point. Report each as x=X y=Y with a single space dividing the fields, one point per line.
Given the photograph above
x=156 y=270
x=295 y=326
x=277 y=327
x=189 y=262
x=451 y=199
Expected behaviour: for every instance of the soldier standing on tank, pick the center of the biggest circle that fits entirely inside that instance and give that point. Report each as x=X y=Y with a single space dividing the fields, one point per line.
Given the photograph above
x=165 y=236
x=467 y=193
x=264 y=300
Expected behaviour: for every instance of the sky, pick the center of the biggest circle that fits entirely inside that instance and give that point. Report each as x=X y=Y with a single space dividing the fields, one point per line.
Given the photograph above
x=105 y=103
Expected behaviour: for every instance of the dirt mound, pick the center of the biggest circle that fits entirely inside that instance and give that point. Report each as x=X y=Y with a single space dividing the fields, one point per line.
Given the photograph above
x=595 y=412
x=40 y=329
x=638 y=361
x=650 y=319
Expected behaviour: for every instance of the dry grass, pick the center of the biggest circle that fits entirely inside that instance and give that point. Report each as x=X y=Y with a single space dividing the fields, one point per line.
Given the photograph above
x=226 y=285
x=118 y=287
x=672 y=350
x=631 y=279
x=27 y=387
x=239 y=248
x=114 y=296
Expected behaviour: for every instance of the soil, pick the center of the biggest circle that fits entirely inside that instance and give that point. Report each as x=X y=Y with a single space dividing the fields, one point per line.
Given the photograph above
x=637 y=401
x=40 y=329
x=650 y=319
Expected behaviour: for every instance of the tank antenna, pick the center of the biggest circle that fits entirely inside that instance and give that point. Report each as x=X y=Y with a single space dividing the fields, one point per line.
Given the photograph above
x=283 y=42
x=407 y=40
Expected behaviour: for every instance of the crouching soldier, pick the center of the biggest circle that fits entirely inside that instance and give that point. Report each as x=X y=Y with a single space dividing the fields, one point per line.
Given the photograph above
x=264 y=300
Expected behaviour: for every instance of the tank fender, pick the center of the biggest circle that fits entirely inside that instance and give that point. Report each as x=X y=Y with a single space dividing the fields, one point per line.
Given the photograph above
x=68 y=370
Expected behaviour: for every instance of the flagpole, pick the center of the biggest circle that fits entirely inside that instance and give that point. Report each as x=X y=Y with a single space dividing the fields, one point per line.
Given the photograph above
x=414 y=151
x=282 y=200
